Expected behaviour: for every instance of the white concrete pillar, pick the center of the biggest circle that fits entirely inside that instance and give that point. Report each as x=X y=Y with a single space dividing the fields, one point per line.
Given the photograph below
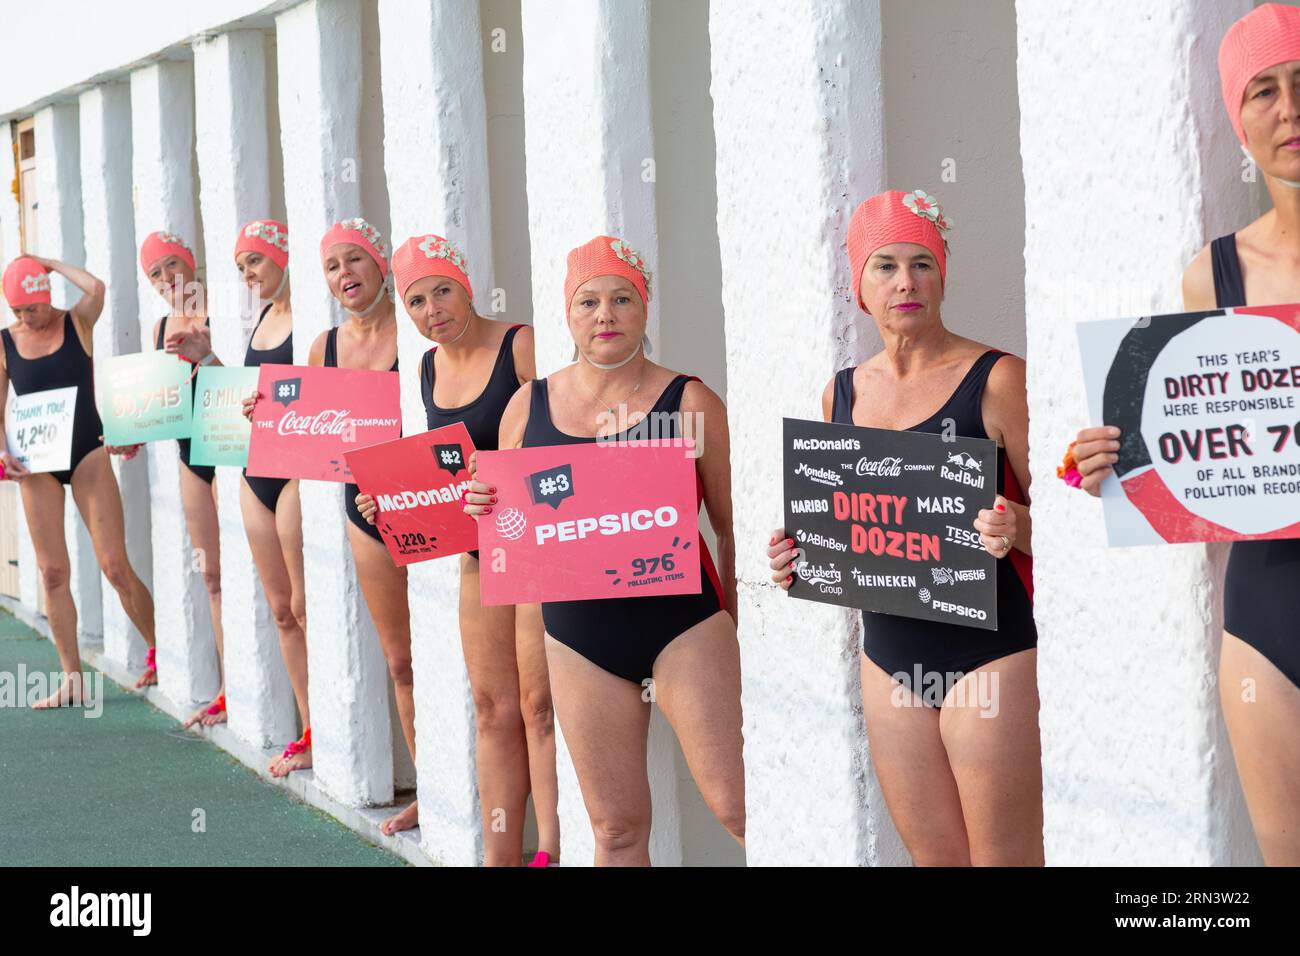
x=1137 y=767
x=785 y=193
x=231 y=143
x=58 y=186
x=162 y=125
x=436 y=162
x=588 y=147
x=109 y=229
x=319 y=63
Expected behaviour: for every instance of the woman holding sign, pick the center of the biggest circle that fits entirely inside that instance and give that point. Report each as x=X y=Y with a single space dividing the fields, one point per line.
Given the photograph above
x=963 y=786
x=609 y=658
x=469 y=376
x=169 y=265
x=353 y=255
x=1259 y=67
x=47 y=348
x=270 y=506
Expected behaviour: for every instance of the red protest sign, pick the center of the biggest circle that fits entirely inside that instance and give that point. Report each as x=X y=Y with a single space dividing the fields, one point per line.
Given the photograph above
x=309 y=417
x=416 y=483
x=576 y=522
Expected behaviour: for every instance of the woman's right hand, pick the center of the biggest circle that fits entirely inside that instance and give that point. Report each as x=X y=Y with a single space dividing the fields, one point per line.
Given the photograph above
x=366 y=507
x=13 y=467
x=1095 y=452
x=479 y=496
x=781 y=554
x=249 y=404
x=126 y=451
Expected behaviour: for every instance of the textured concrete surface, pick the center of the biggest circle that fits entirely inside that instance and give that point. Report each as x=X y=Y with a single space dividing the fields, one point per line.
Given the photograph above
x=162 y=158
x=133 y=790
x=109 y=235
x=806 y=767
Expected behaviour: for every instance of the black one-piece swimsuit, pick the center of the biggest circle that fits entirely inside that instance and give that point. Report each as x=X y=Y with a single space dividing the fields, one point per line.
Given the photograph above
x=350 y=491
x=1261 y=590
x=267 y=489
x=624 y=635
x=482 y=417
x=898 y=645
x=66 y=366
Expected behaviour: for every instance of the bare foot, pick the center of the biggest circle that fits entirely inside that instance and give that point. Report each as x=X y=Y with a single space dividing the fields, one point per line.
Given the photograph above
x=68 y=695
x=282 y=766
x=216 y=712
x=150 y=675
x=406 y=820
x=193 y=718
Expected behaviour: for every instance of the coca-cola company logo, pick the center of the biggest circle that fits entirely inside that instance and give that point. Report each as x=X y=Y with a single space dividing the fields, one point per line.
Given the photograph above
x=329 y=421
x=881 y=468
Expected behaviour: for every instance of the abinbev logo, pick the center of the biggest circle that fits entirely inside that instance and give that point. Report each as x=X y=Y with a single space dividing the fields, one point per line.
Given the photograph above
x=103 y=909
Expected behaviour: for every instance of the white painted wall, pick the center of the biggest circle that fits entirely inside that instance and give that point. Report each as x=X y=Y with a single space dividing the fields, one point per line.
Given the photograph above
x=109 y=228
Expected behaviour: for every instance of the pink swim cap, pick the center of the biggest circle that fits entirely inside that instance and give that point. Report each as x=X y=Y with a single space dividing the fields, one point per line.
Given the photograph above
x=358 y=232
x=265 y=236
x=159 y=245
x=895 y=216
x=26 y=283
x=1265 y=37
x=422 y=256
x=605 y=256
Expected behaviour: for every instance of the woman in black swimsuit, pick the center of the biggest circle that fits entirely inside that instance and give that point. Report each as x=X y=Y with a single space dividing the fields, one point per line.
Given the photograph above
x=353 y=255
x=270 y=506
x=169 y=264
x=49 y=348
x=963 y=781
x=469 y=376
x=1259 y=660
x=609 y=658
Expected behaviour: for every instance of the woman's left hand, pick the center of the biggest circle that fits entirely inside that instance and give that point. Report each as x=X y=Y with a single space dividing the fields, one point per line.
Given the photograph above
x=193 y=345
x=997 y=528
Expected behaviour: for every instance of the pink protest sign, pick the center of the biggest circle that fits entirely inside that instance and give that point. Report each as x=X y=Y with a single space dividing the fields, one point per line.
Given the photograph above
x=308 y=417
x=576 y=522
x=416 y=483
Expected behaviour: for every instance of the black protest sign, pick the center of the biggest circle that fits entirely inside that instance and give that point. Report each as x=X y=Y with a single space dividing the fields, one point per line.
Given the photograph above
x=884 y=520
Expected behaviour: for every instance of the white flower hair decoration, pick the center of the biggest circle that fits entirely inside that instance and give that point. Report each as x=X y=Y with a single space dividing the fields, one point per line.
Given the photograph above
x=920 y=203
x=37 y=282
x=172 y=239
x=268 y=233
x=368 y=232
x=435 y=247
x=634 y=259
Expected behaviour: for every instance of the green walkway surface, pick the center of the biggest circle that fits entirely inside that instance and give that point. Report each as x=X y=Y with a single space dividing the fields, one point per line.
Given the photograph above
x=123 y=789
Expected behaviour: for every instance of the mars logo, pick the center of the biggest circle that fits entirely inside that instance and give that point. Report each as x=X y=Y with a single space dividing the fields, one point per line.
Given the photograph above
x=968 y=469
x=287 y=390
x=511 y=524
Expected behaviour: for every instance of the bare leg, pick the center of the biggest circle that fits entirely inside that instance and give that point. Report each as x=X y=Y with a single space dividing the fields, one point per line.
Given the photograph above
x=487 y=636
x=200 y=503
x=911 y=764
x=605 y=723
x=990 y=730
x=539 y=725
x=94 y=488
x=271 y=557
x=384 y=588
x=43 y=504
x=1262 y=710
x=697 y=686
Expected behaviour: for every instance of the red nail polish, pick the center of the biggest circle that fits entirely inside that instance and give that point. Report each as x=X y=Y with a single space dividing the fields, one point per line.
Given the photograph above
x=492 y=491
x=493 y=501
x=1000 y=507
x=487 y=511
